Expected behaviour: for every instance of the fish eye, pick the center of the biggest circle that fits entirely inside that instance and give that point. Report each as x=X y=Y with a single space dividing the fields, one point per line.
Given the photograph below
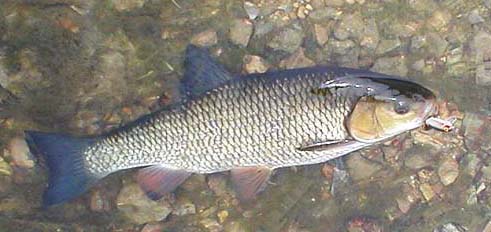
x=401 y=107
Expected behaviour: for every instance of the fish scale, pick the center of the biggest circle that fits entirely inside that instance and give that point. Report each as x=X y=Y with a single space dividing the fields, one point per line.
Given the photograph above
x=248 y=112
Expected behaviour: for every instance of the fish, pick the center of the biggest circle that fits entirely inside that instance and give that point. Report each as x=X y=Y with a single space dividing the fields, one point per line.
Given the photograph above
x=249 y=125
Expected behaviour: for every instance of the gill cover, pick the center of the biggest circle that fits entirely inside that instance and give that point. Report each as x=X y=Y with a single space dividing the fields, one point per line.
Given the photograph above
x=387 y=106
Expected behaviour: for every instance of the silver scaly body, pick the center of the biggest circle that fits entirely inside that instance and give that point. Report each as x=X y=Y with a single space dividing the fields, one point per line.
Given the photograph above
x=254 y=121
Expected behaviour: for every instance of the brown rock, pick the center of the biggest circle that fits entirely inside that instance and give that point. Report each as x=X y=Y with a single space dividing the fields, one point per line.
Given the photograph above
x=205 y=39
x=18 y=152
x=255 y=64
x=321 y=34
x=296 y=60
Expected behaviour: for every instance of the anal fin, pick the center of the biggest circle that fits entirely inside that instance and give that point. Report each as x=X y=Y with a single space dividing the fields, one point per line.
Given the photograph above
x=156 y=181
x=250 y=181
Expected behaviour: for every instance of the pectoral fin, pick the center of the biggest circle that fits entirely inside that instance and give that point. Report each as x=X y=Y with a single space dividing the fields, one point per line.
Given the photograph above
x=325 y=145
x=250 y=181
x=156 y=181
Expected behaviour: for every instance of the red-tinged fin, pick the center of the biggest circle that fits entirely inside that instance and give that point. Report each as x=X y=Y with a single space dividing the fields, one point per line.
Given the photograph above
x=156 y=181
x=250 y=181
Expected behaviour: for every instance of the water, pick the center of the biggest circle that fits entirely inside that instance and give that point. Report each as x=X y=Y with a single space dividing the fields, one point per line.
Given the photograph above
x=84 y=67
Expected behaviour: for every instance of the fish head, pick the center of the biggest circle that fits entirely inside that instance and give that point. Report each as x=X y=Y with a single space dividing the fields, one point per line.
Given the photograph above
x=395 y=107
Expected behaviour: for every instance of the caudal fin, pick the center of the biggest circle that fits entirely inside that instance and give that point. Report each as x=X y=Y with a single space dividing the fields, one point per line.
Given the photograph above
x=68 y=177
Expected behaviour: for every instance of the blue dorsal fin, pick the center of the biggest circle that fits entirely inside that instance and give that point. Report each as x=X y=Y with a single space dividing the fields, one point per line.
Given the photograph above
x=201 y=72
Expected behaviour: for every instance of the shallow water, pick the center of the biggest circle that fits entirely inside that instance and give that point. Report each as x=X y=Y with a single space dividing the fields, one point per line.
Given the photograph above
x=84 y=67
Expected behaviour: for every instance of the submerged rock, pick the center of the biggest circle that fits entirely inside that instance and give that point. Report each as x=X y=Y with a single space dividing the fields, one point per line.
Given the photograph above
x=126 y=5
x=241 y=32
x=255 y=64
x=251 y=9
x=18 y=152
x=287 y=40
x=137 y=207
x=321 y=33
x=391 y=65
x=296 y=60
x=361 y=168
x=205 y=39
x=448 y=171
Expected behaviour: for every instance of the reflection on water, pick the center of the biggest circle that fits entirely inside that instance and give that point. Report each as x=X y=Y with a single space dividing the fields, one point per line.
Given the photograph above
x=85 y=67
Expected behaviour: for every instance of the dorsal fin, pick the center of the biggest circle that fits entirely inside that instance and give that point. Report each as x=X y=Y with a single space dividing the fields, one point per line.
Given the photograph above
x=201 y=72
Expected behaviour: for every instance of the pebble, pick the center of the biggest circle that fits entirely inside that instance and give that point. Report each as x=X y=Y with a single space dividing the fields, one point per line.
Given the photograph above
x=255 y=64
x=481 y=50
x=486 y=173
x=439 y=19
x=211 y=225
x=363 y=224
x=297 y=60
x=448 y=171
x=288 y=40
x=473 y=164
x=476 y=131
x=388 y=45
x=222 y=216
x=427 y=191
x=153 y=227
x=236 y=226
x=251 y=9
x=241 y=32
x=5 y=168
x=18 y=152
x=321 y=34
x=474 y=17
x=350 y=26
x=360 y=168
x=391 y=65
x=127 y=5
x=334 y=2
x=99 y=202
x=205 y=38
x=138 y=208
x=184 y=207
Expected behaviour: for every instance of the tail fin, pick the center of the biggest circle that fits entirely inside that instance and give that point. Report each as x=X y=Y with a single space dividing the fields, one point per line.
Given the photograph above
x=68 y=176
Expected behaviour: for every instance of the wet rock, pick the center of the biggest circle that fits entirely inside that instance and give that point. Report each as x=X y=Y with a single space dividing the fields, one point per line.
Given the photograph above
x=16 y=205
x=5 y=168
x=322 y=14
x=363 y=224
x=184 y=207
x=448 y=171
x=417 y=161
x=205 y=39
x=18 y=152
x=296 y=60
x=450 y=227
x=486 y=173
x=439 y=19
x=211 y=225
x=153 y=227
x=287 y=40
x=236 y=226
x=388 y=45
x=481 y=52
x=476 y=131
x=334 y=2
x=350 y=26
x=369 y=38
x=360 y=168
x=321 y=34
x=391 y=66
x=99 y=202
x=126 y=5
x=427 y=191
x=487 y=228
x=474 y=17
x=222 y=216
x=255 y=64
x=241 y=32
x=410 y=196
x=345 y=52
x=138 y=208
x=251 y=9
x=473 y=164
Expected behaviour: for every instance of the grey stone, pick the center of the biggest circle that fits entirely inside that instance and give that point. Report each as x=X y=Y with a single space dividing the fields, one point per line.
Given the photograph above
x=391 y=65
x=350 y=26
x=287 y=40
x=126 y=5
x=137 y=207
x=417 y=161
x=241 y=32
x=450 y=227
x=297 y=60
x=251 y=9
x=474 y=17
x=448 y=171
x=387 y=45
x=360 y=168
